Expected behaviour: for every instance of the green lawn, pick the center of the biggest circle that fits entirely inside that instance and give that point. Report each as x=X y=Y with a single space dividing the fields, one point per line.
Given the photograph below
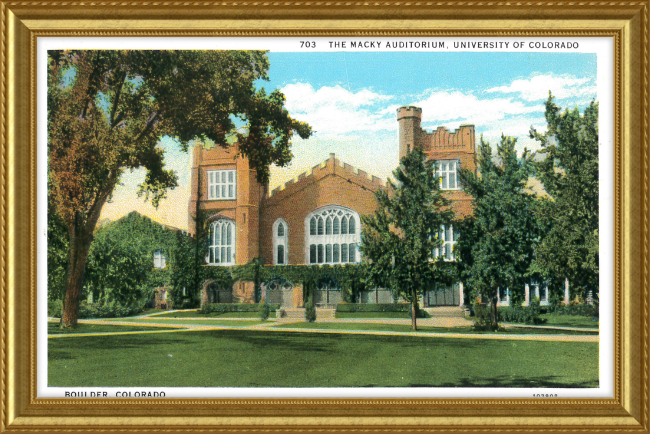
x=400 y=315
x=196 y=314
x=54 y=329
x=239 y=358
x=569 y=321
x=407 y=328
x=232 y=322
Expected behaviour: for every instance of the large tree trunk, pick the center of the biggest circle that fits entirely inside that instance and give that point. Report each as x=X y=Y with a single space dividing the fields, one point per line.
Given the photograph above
x=493 y=311
x=79 y=246
x=414 y=311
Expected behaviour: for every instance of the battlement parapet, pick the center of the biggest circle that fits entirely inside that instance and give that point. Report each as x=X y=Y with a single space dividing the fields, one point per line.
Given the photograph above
x=442 y=138
x=409 y=112
x=331 y=166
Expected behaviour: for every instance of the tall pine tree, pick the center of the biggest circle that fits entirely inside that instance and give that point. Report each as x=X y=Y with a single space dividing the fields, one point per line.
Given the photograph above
x=497 y=243
x=398 y=241
x=569 y=174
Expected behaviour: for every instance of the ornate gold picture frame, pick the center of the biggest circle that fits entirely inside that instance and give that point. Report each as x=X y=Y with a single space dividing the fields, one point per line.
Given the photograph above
x=25 y=21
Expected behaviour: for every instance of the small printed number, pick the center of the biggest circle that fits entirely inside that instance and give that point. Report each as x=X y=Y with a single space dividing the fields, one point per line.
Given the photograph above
x=544 y=395
x=307 y=44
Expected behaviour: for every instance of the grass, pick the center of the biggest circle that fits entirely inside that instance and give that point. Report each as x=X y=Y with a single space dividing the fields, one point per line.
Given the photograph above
x=54 y=329
x=196 y=314
x=569 y=321
x=198 y=322
x=400 y=315
x=238 y=358
x=425 y=329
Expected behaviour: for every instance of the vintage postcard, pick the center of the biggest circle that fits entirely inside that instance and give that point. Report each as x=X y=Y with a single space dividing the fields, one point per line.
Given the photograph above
x=325 y=217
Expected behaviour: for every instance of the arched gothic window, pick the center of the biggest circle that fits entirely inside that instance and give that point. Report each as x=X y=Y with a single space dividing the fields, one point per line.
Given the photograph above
x=221 y=245
x=280 y=242
x=332 y=236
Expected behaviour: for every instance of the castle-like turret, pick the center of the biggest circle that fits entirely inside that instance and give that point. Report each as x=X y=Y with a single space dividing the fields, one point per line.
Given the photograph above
x=410 y=132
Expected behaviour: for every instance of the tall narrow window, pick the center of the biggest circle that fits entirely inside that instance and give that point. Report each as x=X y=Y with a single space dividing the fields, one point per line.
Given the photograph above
x=222 y=184
x=221 y=246
x=280 y=242
x=332 y=236
x=449 y=237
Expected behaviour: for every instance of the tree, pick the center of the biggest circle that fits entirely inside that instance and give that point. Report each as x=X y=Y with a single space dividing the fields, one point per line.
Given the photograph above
x=398 y=241
x=497 y=244
x=569 y=174
x=120 y=264
x=108 y=109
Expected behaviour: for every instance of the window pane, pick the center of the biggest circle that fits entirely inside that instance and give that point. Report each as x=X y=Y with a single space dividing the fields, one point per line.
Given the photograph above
x=312 y=226
x=230 y=192
x=320 y=226
x=230 y=176
x=351 y=227
x=328 y=226
x=215 y=235
x=229 y=243
x=223 y=177
x=452 y=180
x=443 y=166
x=443 y=183
x=449 y=235
x=447 y=251
x=328 y=253
x=336 y=226
x=229 y=255
x=312 y=254
x=344 y=226
x=280 y=254
x=217 y=191
x=335 y=256
x=320 y=253
x=280 y=230
x=344 y=253
x=211 y=260
x=223 y=190
x=352 y=253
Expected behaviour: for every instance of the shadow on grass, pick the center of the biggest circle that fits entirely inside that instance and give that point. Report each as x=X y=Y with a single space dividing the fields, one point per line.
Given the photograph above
x=521 y=382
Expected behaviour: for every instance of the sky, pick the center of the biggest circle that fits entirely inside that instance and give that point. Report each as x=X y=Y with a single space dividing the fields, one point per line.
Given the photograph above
x=350 y=100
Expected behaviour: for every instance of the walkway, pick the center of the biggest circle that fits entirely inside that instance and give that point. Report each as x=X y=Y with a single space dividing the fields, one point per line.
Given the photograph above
x=273 y=325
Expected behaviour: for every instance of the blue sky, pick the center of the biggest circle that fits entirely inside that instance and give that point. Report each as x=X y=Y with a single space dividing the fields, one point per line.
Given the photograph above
x=350 y=99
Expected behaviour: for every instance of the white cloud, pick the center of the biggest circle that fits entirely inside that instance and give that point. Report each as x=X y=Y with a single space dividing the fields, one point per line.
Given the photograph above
x=335 y=110
x=537 y=87
x=455 y=107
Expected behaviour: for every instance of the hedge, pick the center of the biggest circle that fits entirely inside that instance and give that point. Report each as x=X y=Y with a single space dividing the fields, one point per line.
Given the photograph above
x=371 y=307
x=234 y=307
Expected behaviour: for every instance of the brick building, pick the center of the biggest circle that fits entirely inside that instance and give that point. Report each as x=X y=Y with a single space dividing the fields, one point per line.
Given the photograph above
x=315 y=218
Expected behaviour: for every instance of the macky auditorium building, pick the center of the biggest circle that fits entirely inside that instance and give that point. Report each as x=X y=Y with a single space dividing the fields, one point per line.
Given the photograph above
x=315 y=218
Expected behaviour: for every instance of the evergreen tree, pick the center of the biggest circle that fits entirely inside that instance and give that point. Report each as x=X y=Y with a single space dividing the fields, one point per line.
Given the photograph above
x=497 y=244
x=569 y=174
x=398 y=241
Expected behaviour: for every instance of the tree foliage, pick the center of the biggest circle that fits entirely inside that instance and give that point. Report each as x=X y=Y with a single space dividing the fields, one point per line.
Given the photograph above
x=569 y=174
x=108 y=109
x=398 y=241
x=496 y=245
x=120 y=261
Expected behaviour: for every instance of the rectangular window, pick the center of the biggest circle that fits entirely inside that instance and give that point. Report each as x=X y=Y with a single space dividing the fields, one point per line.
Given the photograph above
x=449 y=238
x=222 y=184
x=447 y=173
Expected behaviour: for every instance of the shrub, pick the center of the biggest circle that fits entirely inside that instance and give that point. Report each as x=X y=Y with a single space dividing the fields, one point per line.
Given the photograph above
x=371 y=307
x=386 y=307
x=109 y=310
x=265 y=311
x=220 y=308
x=483 y=318
x=310 y=311
x=54 y=308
